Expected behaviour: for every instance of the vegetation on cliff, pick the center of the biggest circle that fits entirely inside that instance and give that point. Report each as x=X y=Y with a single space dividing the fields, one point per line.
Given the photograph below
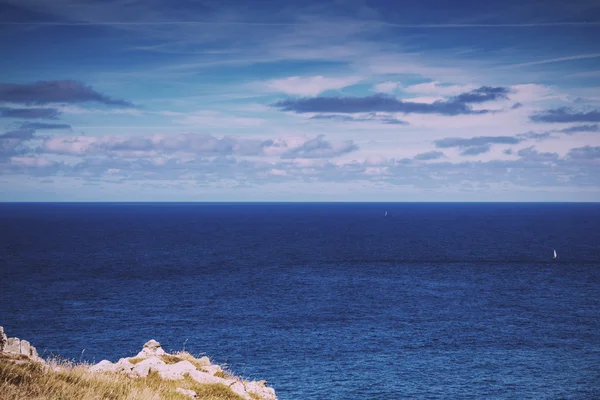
x=151 y=374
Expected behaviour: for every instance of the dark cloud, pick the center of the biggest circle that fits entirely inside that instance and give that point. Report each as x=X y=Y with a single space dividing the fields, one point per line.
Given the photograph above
x=531 y=154
x=29 y=113
x=508 y=152
x=344 y=118
x=476 y=145
x=430 y=155
x=11 y=142
x=475 y=141
x=566 y=114
x=516 y=105
x=535 y=135
x=393 y=121
x=44 y=92
x=320 y=148
x=581 y=128
x=367 y=118
x=375 y=103
x=475 y=150
x=44 y=125
x=382 y=103
x=569 y=131
x=481 y=95
x=585 y=153
x=20 y=134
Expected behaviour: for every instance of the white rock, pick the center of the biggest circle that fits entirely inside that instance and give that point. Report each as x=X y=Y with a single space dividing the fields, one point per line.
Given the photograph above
x=186 y=392
x=212 y=369
x=13 y=346
x=103 y=366
x=238 y=388
x=34 y=354
x=260 y=388
x=204 y=361
x=17 y=346
x=176 y=371
x=151 y=348
x=143 y=368
x=203 y=377
x=123 y=365
x=25 y=348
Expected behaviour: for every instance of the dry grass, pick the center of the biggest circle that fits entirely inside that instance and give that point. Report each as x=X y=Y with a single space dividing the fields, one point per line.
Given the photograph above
x=21 y=380
x=221 y=374
x=177 y=357
x=184 y=355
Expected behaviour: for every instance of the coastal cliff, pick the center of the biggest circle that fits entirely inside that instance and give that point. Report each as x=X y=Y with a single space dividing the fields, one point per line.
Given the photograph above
x=151 y=374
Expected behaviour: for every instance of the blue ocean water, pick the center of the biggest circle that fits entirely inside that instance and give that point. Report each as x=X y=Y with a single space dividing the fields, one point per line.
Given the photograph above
x=324 y=301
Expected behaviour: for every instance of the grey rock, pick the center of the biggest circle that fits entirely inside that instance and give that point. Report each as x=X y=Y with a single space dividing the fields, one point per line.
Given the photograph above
x=17 y=346
x=175 y=371
x=212 y=369
x=204 y=377
x=13 y=346
x=260 y=388
x=143 y=368
x=151 y=348
x=103 y=366
x=25 y=348
x=3 y=339
x=33 y=353
x=238 y=388
x=125 y=367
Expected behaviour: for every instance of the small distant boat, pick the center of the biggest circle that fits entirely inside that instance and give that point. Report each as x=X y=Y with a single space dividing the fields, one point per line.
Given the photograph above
x=555 y=255
x=385 y=214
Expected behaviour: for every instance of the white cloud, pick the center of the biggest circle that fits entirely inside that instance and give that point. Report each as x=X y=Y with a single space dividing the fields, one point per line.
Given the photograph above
x=437 y=88
x=217 y=119
x=192 y=144
x=31 y=161
x=309 y=86
x=533 y=92
x=386 y=87
x=76 y=110
x=424 y=99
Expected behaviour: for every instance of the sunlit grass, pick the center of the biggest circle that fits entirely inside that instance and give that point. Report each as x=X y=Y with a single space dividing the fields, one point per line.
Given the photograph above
x=21 y=379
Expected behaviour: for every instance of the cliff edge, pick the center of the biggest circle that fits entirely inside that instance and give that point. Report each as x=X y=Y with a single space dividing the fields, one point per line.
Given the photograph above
x=151 y=374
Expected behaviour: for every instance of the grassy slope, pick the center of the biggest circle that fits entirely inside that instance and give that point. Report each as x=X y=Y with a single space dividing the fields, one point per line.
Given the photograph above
x=22 y=379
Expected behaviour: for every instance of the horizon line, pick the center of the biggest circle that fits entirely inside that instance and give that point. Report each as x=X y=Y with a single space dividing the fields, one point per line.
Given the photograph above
x=259 y=23
x=302 y=202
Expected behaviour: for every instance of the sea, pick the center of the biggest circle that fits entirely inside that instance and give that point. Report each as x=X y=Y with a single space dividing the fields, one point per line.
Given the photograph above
x=331 y=301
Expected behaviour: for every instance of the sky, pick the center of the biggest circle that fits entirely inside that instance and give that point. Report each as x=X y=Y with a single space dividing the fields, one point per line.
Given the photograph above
x=183 y=100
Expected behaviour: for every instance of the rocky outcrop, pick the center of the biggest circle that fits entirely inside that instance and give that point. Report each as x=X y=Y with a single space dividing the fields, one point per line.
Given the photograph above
x=3 y=339
x=17 y=346
x=151 y=348
x=153 y=359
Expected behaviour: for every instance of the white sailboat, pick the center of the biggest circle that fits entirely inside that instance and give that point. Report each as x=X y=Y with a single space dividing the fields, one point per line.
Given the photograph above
x=385 y=214
x=555 y=255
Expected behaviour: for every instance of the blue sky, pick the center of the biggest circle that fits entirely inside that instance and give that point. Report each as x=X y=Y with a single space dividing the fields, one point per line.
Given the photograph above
x=125 y=100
